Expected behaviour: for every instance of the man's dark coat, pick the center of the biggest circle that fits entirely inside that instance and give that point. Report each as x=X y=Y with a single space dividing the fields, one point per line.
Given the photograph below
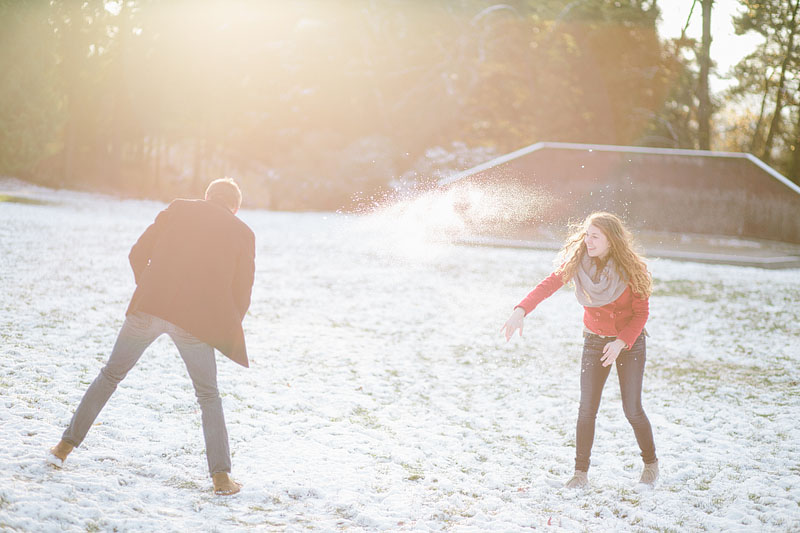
x=194 y=267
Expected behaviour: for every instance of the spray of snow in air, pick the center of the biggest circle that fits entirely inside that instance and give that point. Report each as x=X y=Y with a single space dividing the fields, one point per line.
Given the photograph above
x=417 y=225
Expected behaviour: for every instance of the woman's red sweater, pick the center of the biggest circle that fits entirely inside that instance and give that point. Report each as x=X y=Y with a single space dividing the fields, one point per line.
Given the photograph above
x=624 y=318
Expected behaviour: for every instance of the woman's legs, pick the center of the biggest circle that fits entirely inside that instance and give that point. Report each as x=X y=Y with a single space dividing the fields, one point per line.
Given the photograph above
x=630 y=370
x=593 y=378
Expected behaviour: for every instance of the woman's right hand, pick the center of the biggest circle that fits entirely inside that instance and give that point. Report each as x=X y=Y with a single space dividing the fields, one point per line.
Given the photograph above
x=513 y=323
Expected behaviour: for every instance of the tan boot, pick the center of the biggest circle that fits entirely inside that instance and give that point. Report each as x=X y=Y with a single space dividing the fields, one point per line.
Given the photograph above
x=578 y=480
x=649 y=473
x=224 y=485
x=59 y=453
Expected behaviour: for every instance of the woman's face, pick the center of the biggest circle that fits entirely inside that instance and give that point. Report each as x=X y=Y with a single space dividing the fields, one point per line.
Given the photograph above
x=596 y=242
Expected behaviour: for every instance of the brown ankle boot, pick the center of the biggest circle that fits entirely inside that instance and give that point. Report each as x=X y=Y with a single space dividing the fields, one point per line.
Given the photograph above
x=578 y=480
x=224 y=485
x=60 y=452
x=649 y=473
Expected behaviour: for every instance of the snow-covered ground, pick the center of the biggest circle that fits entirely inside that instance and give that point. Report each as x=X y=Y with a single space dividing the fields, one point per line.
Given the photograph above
x=381 y=395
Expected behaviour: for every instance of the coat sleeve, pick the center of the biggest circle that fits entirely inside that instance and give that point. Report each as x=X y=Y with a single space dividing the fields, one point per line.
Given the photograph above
x=245 y=275
x=140 y=252
x=632 y=330
x=543 y=290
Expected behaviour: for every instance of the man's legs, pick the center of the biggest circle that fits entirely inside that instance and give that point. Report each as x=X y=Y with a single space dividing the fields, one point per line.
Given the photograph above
x=138 y=331
x=202 y=366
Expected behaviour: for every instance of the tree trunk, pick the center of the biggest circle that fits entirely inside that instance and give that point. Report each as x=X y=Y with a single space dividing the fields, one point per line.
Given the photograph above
x=774 y=126
x=68 y=155
x=754 y=142
x=704 y=111
x=794 y=170
x=69 y=71
x=199 y=154
x=158 y=149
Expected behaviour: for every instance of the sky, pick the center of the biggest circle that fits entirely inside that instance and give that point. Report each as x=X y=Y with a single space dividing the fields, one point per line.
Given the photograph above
x=727 y=48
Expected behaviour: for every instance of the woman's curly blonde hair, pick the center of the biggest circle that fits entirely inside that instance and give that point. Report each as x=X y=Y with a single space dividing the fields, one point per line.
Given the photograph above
x=630 y=265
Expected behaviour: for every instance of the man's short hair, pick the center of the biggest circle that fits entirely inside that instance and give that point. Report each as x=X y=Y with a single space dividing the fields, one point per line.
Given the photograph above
x=226 y=191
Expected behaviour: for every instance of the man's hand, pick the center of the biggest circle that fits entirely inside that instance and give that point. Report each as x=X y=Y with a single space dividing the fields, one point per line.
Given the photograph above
x=514 y=323
x=611 y=351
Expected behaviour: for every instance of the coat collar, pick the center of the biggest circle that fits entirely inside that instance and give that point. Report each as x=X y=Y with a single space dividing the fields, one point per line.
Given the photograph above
x=219 y=205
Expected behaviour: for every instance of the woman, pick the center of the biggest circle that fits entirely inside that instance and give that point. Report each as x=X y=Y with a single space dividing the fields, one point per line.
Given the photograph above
x=612 y=283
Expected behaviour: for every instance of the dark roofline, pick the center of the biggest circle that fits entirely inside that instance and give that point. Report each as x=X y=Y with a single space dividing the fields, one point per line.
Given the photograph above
x=611 y=148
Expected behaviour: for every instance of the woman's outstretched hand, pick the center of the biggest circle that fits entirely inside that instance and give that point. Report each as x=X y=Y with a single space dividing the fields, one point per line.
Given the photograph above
x=611 y=351
x=513 y=323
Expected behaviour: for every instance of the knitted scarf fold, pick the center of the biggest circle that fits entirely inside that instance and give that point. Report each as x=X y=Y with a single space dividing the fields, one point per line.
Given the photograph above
x=608 y=287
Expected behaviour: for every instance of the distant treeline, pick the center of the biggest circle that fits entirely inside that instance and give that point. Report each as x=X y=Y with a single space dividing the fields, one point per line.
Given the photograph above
x=311 y=104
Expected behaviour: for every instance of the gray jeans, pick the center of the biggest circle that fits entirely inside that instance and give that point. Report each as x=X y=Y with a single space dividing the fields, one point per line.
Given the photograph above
x=137 y=333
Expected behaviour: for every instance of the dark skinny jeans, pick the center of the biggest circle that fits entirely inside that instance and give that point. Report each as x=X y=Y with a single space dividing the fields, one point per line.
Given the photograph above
x=630 y=369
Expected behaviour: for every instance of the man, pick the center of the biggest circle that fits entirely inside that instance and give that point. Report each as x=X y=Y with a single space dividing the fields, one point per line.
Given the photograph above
x=194 y=269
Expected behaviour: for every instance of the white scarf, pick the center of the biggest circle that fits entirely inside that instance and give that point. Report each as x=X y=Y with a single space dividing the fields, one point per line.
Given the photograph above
x=608 y=287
